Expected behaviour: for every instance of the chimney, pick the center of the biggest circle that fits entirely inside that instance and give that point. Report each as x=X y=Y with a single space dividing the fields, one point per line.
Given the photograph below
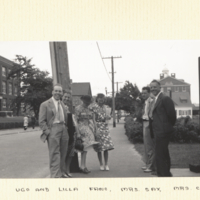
x=70 y=81
x=173 y=75
x=161 y=76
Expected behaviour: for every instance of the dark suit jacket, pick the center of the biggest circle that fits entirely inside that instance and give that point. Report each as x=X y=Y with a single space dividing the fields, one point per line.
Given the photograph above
x=164 y=116
x=47 y=115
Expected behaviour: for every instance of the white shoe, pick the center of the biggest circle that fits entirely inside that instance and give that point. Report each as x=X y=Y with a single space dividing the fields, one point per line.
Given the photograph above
x=107 y=168
x=101 y=168
x=147 y=170
x=144 y=168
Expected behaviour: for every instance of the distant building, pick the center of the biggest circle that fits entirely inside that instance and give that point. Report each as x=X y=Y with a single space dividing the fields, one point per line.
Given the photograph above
x=179 y=91
x=8 y=88
x=195 y=109
x=78 y=90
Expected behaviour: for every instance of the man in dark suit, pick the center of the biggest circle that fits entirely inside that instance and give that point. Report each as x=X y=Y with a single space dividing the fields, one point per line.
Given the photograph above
x=52 y=121
x=163 y=118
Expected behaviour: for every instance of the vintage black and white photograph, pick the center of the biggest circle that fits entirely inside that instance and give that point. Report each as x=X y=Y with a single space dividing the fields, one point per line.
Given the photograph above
x=99 y=109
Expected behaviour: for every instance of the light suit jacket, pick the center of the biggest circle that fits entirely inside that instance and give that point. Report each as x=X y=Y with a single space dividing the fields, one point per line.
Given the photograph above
x=47 y=115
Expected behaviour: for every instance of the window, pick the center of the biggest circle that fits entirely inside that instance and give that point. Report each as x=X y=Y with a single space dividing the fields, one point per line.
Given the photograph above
x=15 y=90
x=183 y=89
x=10 y=89
x=3 y=87
x=176 y=89
x=4 y=103
x=3 y=71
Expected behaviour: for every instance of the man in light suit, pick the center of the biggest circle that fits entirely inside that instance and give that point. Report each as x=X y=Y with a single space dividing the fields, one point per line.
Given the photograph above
x=52 y=121
x=149 y=142
x=163 y=118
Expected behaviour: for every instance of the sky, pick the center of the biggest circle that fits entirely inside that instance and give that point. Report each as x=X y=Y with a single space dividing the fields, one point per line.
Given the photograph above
x=141 y=61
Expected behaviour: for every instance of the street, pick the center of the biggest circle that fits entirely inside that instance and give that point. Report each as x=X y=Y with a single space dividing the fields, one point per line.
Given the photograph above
x=23 y=155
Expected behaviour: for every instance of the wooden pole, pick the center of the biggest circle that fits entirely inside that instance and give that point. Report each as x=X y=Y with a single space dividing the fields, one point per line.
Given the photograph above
x=60 y=66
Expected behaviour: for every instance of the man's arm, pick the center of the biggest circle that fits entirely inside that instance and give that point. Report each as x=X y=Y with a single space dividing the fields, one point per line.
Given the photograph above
x=43 y=119
x=169 y=108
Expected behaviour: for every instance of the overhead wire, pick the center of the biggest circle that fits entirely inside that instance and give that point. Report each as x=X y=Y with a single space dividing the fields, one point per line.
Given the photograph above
x=102 y=60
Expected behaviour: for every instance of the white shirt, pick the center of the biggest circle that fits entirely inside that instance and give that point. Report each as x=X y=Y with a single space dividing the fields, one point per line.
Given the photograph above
x=146 y=109
x=56 y=105
x=157 y=96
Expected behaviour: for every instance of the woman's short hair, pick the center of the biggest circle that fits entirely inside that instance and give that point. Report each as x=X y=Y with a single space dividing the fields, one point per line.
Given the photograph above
x=100 y=95
x=86 y=98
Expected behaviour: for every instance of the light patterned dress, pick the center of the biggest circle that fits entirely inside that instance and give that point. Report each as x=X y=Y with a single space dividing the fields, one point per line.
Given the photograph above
x=85 y=125
x=102 y=136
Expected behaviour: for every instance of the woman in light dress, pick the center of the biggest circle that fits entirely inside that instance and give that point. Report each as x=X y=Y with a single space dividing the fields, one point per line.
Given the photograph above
x=102 y=135
x=86 y=126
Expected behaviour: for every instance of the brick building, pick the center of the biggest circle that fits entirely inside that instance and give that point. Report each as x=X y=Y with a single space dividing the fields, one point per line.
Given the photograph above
x=179 y=91
x=8 y=88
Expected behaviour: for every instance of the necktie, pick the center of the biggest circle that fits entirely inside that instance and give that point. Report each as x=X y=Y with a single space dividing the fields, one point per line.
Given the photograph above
x=60 y=114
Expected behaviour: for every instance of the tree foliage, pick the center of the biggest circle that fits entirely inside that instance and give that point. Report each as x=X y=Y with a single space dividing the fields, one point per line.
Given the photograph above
x=35 y=86
x=126 y=99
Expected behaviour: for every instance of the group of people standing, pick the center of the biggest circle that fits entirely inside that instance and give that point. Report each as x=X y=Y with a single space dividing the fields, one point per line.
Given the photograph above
x=159 y=117
x=63 y=129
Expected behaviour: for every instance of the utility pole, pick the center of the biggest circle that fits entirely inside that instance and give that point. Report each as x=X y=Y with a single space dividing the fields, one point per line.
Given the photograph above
x=118 y=113
x=60 y=66
x=117 y=85
x=113 y=89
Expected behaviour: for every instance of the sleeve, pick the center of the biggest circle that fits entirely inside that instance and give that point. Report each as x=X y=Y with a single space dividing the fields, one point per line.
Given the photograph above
x=170 y=109
x=43 y=118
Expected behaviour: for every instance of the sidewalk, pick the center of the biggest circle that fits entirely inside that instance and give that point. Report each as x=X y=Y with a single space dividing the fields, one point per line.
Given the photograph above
x=124 y=160
x=18 y=130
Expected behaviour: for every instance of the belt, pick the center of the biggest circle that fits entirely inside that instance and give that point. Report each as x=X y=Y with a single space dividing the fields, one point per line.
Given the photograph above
x=145 y=120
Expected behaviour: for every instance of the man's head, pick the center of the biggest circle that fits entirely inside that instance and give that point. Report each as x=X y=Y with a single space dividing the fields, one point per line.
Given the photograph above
x=66 y=98
x=57 y=91
x=155 y=87
x=145 y=93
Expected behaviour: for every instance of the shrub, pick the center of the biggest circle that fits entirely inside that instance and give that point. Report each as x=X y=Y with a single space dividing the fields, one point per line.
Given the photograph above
x=185 y=131
x=133 y=130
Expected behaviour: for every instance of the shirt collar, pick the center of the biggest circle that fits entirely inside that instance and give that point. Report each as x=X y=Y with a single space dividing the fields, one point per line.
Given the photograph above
x=157 y=96
x=54 y=100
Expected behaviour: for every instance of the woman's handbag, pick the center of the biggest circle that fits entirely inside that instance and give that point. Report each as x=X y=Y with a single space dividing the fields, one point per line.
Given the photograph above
x=79 y=144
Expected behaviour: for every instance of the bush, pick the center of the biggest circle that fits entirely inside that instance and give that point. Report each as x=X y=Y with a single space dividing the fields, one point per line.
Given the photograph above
x=134 y=130
x=185 y=131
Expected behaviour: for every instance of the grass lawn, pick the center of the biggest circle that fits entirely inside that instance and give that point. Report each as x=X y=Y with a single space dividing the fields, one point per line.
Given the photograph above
x=181 y=154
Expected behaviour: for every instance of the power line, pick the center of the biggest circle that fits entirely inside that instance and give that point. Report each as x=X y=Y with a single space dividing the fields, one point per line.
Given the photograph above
x=103 y=61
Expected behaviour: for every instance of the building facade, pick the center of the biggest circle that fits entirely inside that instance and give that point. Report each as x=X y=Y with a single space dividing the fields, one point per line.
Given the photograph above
x=8 y=88
x=78 y=90
x=179 y=91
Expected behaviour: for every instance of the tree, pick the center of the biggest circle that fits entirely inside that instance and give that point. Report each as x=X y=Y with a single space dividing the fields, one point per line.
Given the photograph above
x=126 y=98
x=35 y=86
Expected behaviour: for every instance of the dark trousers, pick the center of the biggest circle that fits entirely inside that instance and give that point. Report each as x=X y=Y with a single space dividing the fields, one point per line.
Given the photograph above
x=163 y=162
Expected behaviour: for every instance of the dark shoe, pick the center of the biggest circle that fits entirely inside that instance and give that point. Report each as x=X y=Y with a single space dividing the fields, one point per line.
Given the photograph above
x=69 y=175
x=88 y=171
x=85 y=171
x=64 y=176
x=154 y=173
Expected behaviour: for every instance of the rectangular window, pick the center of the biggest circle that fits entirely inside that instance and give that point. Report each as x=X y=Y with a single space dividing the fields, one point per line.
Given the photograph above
x=10 y=89
x=189 y=112
x=3 y=87
x=3 y=71
x=4 y=103
x=183 y=89
x=176 y=89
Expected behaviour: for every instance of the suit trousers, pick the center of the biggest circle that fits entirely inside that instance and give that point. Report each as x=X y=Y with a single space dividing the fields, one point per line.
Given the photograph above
x=149 y=147
x=58 y=145
x=163 y=162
